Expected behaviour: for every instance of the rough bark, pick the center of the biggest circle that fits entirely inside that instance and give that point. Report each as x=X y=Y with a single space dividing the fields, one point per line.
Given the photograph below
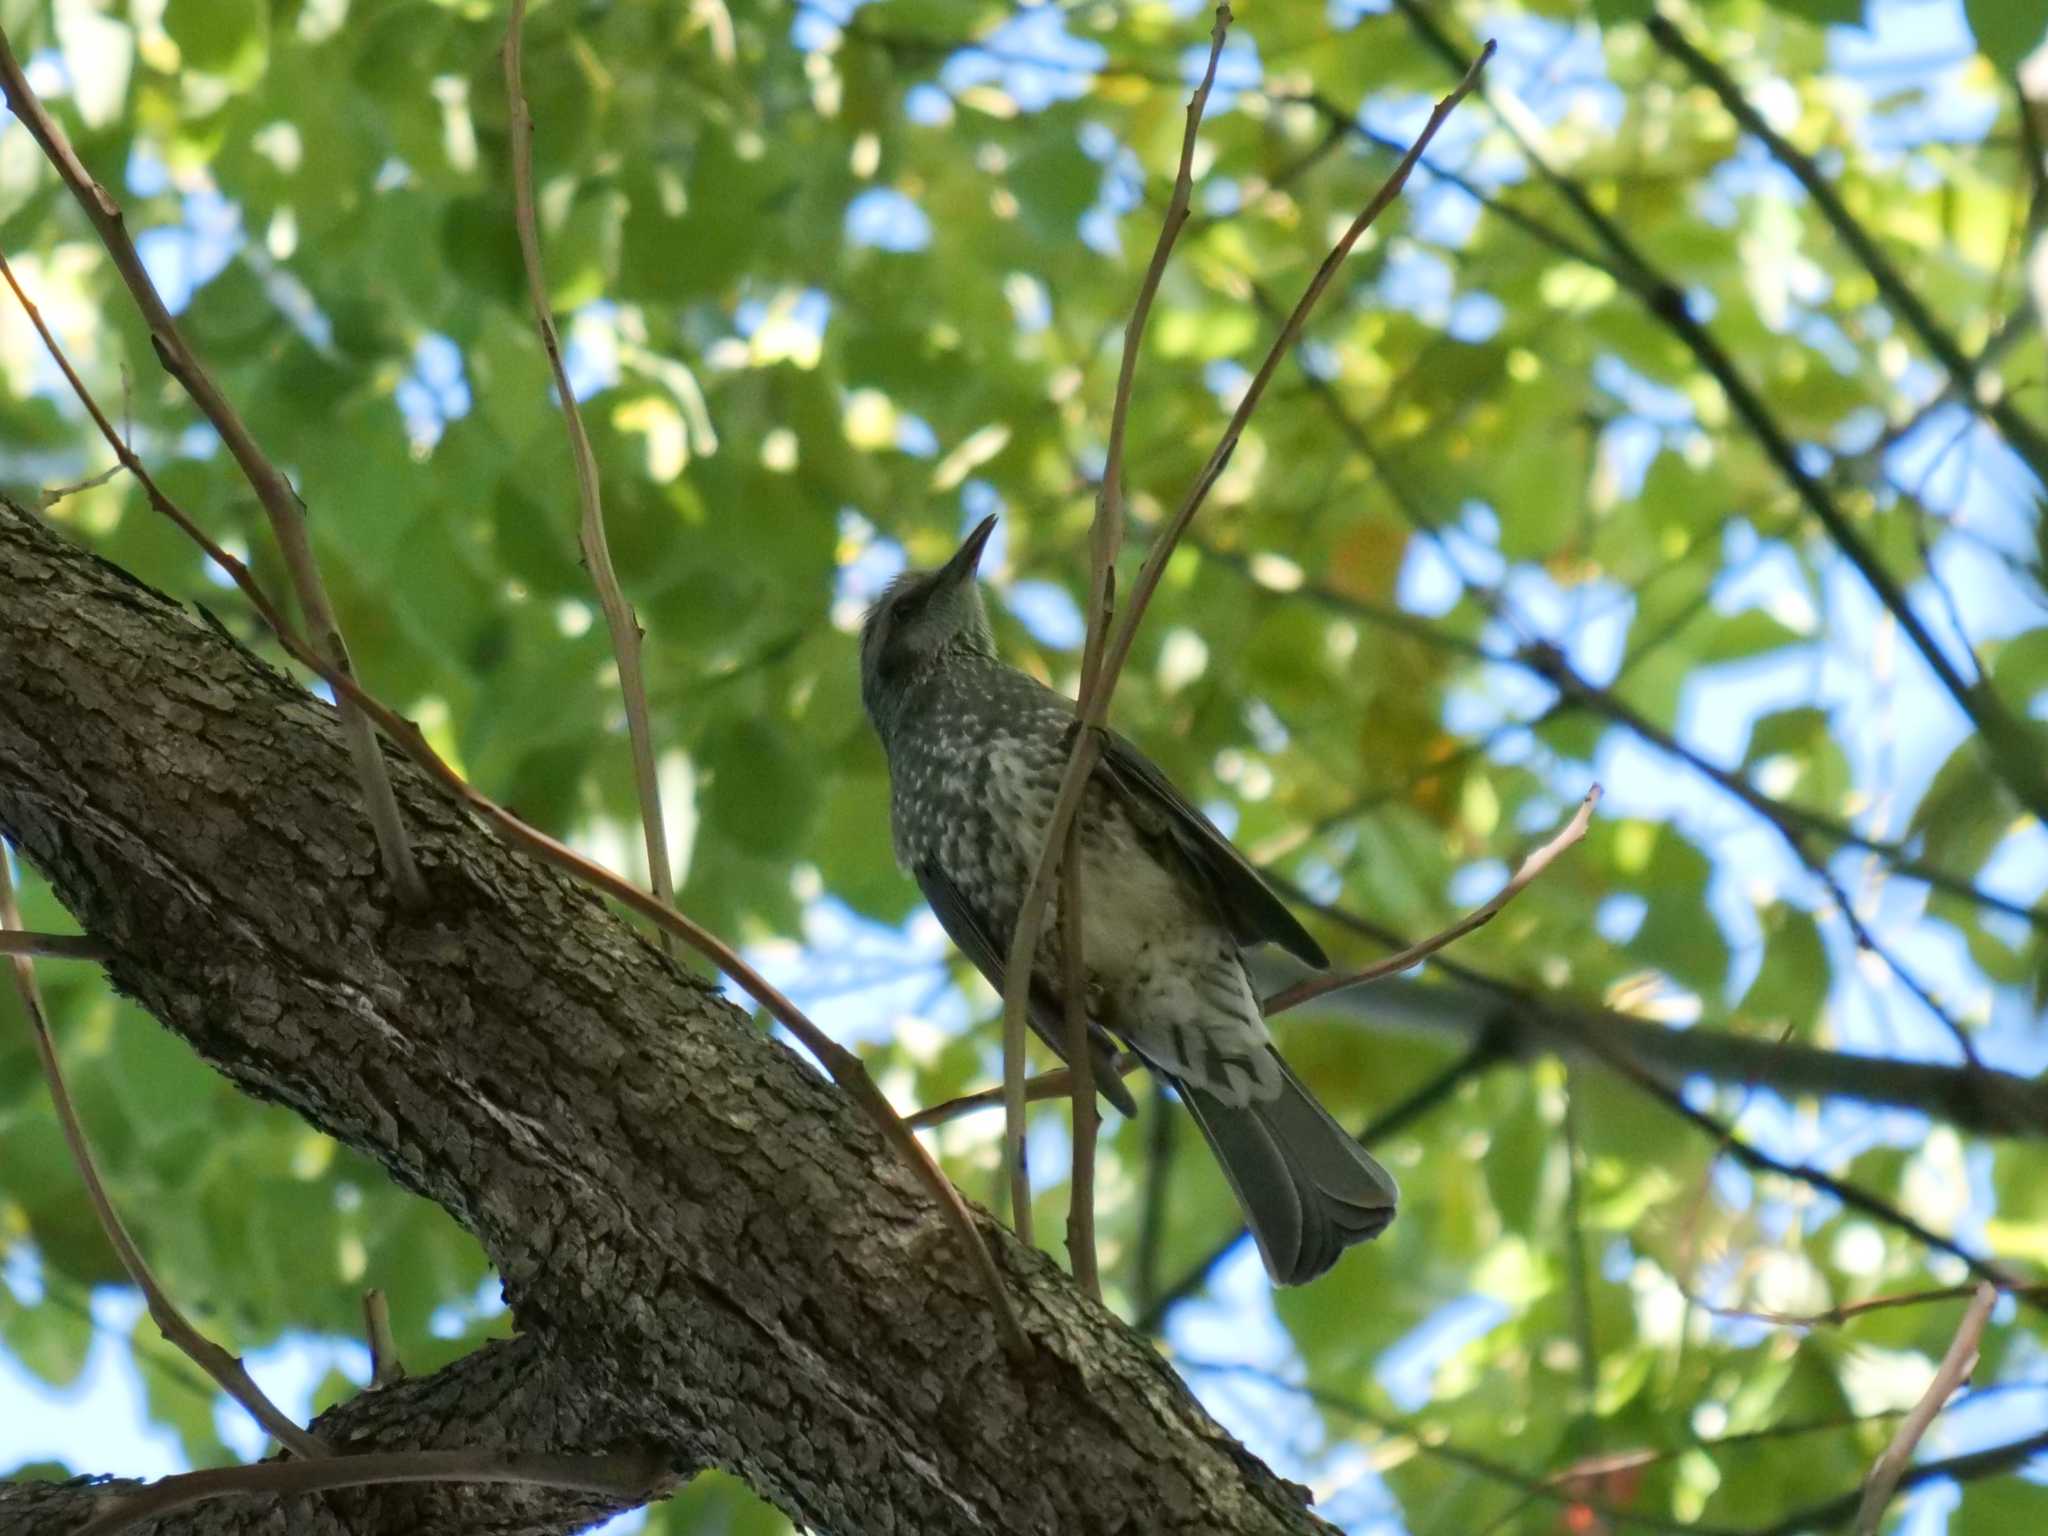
x=695 y=1231
x=508 y=1393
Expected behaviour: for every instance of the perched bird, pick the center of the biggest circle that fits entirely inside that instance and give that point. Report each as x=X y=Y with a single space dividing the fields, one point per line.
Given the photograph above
x=976 y=752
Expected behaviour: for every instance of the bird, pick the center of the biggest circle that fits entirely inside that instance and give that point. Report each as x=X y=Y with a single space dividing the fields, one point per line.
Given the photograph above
x=976 y=750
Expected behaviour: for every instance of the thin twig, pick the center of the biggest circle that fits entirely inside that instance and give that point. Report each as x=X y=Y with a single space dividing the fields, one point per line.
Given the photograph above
x=1760 y=1161
x=1087 y=1114
x=1094 y=709
x=1056 y=1084
x=385 y=1366
x=279 y=501
x=51 y=946
x=57 y=493
x=1955 y=1369
x=845 y=1068
x=619 y=617
x=1321 y=986
x=631 y=1479
x=2025 y=437
x=1837 y=1316
x=1104 y=536
x=223 y=1367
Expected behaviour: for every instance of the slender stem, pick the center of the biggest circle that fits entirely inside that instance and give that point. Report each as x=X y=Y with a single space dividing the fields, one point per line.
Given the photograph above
x=1533 y=866
x=1056 y=1084
x=223 y=1367
x=1105 y=534
x=1955 y=1369
x=385 y=1366
x=1087 y=1114
x=1837 y=1316
x=631 y=1479
x=1094 y=708
x=279 y=501
x=619 y=618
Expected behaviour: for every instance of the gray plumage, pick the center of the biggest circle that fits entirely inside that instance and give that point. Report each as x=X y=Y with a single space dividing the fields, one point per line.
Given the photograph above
x=976 y=751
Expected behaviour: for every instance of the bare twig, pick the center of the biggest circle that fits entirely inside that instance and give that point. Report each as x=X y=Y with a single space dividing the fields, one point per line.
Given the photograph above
x=1056 y=1084
x=51 y=946
x=385 y=1366
x=629 y=1478
x=1955 y=1369
x=1760 y=1161
x=1837 y=1316
x=1105 y=534
x=1321 y=986
x=279 y=501
x=1094 y=708
x=1087 y=1114
x=1971 y=386
x=223 y=1367
x=1966 y=1468
x=619 y=617
x=845 y=1068
x=57 y=493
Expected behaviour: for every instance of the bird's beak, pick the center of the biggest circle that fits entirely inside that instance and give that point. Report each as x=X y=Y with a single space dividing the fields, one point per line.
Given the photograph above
x=967 y=558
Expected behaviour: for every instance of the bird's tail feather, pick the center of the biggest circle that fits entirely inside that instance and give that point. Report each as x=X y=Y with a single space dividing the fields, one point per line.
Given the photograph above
x=1307 y=1188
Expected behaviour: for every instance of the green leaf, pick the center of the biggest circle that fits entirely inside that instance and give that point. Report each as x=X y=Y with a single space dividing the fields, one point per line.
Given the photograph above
x=2005 y=33
x=221 y=37
x=761 y=794
x=50 y=1340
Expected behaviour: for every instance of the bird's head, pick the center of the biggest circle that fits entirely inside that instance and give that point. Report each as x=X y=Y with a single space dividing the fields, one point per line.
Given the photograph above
x=922 y=619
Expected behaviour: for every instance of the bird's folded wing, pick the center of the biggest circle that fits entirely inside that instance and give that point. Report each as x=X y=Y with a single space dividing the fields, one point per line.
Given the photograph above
x=964 y=925
x=1255 y=914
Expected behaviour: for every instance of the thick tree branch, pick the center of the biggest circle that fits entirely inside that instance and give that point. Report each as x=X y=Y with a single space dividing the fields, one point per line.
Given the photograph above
x=717 y=1241
x=509 y=1397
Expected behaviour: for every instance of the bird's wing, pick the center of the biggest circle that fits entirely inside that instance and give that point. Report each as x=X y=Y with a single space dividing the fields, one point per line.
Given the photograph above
x=1255 y=914
x=964 y=925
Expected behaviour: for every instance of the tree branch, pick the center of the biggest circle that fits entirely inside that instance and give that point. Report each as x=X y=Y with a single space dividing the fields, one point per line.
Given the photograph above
x=620 y=620
x=1313 y=987
x=720 y=1248
x=50 y=946
x=845 y=1067
x=1098 y=678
